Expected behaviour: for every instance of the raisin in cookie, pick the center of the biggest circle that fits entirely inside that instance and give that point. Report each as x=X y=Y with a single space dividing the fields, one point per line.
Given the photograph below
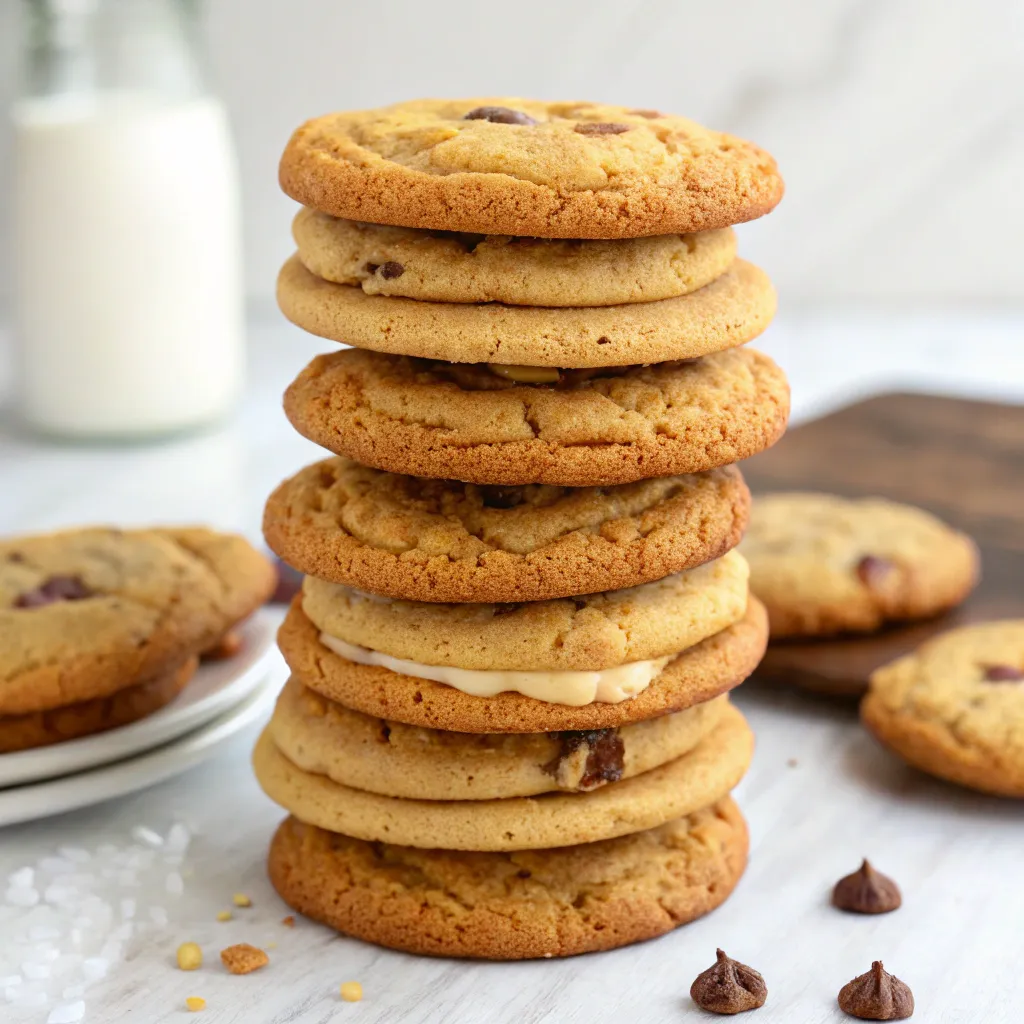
x=523 y=167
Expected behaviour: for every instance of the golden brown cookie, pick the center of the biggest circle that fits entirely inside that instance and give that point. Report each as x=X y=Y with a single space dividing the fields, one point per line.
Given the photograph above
x=701 y=673
x=697 y=779
x=441 y=266
x=523 y=167
x=85 y=613
x=513 y=906
x=438 y=540
x=824 y=565
x=732 y=310
x=586 y=633
x=955 y=707
x=44 y=728
x=590 y=428
x=322 y=737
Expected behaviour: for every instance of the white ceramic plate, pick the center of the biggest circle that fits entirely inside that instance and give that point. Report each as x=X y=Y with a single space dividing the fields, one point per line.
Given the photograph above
x=42 y=799
x=216 y=686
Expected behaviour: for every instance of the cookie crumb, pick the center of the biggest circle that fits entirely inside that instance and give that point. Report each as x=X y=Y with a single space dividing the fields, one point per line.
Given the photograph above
x=351 y=991
x=243 y=958
x=792 y=762
x=195 y=1004
x=241 y=900
x=288 y=922
x=223 y=915
x=190 y=956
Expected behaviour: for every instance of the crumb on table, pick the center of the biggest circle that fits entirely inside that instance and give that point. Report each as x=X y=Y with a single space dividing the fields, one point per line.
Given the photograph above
x=243 y=958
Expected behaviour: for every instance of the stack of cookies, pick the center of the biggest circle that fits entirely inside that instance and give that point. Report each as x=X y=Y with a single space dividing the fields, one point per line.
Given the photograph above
x=507 y=733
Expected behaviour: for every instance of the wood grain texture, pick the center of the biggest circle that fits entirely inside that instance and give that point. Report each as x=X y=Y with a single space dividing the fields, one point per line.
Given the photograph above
x=962 y=460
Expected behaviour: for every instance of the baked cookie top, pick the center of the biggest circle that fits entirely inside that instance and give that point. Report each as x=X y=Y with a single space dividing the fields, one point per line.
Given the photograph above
x=955 y=706
x=442 y=541
x=84 y=613
x=590 y=632
x=446 y=266
x=582 y=428
x=524 y=167
x=732 y=310
x=824 y=564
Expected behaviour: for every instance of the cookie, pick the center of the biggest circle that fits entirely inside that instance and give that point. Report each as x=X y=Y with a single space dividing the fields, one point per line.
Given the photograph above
x=588 y=633
x=699 y=674
x=449 y=267
x=44 y=728
x=954 y=707
x=697 y=779
x=85 y=613
x=824 y=565
x=513 y=906
x=732 y=310
x=322 y=737
x=523 y=167
x=588 y=428
x=438 y=540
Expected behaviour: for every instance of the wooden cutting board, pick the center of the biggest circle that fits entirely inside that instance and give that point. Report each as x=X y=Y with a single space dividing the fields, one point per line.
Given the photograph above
x=962 y=460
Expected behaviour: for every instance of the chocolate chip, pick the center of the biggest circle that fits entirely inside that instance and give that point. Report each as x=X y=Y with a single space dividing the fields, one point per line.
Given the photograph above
x=1003 y=674
x=601 y=128
x=873 y=570
x=877 y=995
x=371 y=268
x=866 y=891
x=501 y=497
x=499 y=115
x=16 y=556
x=649 y=114
x=604 y=756
x=289 y=583
x=728 y=987
x=56 y=588
x=391 y=270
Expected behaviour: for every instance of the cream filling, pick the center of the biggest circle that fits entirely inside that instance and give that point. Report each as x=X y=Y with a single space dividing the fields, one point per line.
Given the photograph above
x=606 y=686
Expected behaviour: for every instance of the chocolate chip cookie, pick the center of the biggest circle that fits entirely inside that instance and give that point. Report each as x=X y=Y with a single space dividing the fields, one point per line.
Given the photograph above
x=826 y=565
x=523 y=167
x=442 y=541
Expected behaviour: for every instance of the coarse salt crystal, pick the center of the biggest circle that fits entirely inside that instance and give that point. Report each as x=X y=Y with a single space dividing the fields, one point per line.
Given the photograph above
x=178 y=838
x=141 y=834
x=174 y=884
x=35 y=972
x=95 y=967
x=29 y=998
x=127 y=877
x=43 y=931
x=21 y=879
x=127 y=909
x=75 y=854
x=56 y=866
x=10 y=980
x=72 y=992
x=67 y=1013
x=22 y=897
x=60 y=895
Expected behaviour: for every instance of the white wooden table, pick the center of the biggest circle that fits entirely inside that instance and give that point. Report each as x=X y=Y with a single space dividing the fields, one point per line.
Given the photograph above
x=820 y=794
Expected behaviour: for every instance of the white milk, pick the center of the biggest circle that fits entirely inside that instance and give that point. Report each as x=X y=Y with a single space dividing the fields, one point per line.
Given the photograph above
x=127 y=263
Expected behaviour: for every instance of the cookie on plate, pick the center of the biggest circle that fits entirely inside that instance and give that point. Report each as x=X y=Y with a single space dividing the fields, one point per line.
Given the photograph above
x=953 y=708
x=513 y=906
x=440 y=266
x=699 y=673
x=438 y=540
x=523 y=167
x=732 y=310
x=574 y=428
x=384 y=756
x=74 y=721
x=695 y=780
x=826 y=565
x=85 y=613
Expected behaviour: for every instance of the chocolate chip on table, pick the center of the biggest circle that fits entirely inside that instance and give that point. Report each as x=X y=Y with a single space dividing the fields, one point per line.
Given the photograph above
x=873 y=570
x=604 y=753
x=601 y=128
x=289 y=583
x=1003 y=674
x=499 y=115
x=390 y=270
x=729 y=987
x=877 y=996
x=56 y=588
x=501 y=497
x=866 y=891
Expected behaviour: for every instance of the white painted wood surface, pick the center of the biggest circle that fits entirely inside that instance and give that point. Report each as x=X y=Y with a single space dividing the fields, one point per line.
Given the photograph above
x=956 y=940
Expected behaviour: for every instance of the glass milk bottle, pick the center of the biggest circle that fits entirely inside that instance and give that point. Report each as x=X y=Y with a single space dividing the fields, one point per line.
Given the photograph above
x=128 y=282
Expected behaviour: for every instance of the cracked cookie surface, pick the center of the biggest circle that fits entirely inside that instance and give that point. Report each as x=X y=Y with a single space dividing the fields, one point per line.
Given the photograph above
x=524 y=167
x=700 y=673
x=464 y=422
x=84 y=613
x=438 y=540
x=518 y=271
x=825 y=565
x=512 y=906
x=692 y=781
x=955 y=707
x=731 y=310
